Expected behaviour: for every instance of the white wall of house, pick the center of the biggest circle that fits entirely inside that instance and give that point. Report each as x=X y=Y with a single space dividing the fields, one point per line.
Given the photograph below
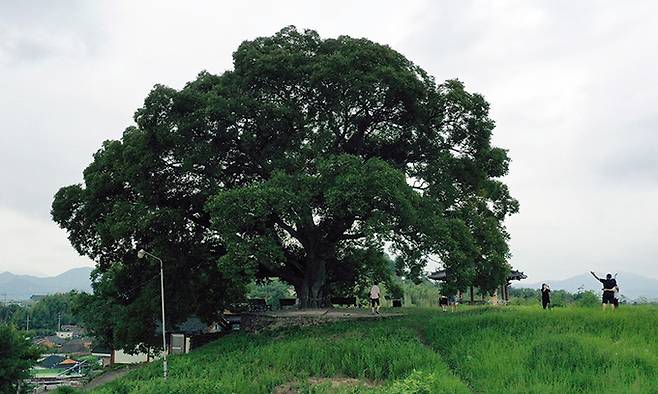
x=64 y=334
x=121 y=357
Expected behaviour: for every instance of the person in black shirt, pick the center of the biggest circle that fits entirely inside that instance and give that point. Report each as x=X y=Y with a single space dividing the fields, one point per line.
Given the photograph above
x=616 y=303
x=545 y=296
x=609 y=284
x=443 y=302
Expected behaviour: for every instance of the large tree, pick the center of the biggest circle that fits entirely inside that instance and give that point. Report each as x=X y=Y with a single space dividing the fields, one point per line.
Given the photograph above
x=17 y=356
x=309 y=161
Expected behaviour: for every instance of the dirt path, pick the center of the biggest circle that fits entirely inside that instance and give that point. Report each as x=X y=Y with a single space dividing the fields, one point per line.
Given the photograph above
x=421 y=334
x=255 y=322
x=108 y=377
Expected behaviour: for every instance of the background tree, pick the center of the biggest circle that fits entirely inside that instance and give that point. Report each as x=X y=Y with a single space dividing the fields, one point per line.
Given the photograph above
x=17 y=356
x=307 y=162
x=44 y=314
x=271 y=291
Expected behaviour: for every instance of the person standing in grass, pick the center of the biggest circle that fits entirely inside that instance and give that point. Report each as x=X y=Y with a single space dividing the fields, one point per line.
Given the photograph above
x=494 y=298
x=452 y=302
x=609 y=284
x=545 y=296
x=443 y=302
x=374 y=298
x=616 y=303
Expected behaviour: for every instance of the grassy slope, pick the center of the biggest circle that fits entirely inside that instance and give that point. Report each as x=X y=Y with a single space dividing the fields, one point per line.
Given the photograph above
x=527 y=350
x=515 y=350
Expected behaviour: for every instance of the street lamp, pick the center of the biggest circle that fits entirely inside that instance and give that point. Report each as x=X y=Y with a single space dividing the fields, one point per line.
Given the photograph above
x=141 y=254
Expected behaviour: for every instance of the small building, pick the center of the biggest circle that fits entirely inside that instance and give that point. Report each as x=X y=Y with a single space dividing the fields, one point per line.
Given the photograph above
x=442 y=275
x=46 y=343
x=51 y=362
x=120 y=356
x=50 y=342
x=59 y=345
x=193 y=333
x=64 y=334
x=513 y=275
x=73 y=328
x=75 y=346
x=68 y=363
x=104 y=354
x=184 y=337
x=55 y=370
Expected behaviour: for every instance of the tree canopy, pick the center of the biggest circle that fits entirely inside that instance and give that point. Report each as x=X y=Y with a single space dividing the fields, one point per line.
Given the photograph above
x=44 y=315
x=17 y=356
x=309 y=161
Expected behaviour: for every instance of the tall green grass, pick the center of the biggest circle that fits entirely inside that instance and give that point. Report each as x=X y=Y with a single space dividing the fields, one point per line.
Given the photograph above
x=386 y=355
x=486 y=350
x=570 y=350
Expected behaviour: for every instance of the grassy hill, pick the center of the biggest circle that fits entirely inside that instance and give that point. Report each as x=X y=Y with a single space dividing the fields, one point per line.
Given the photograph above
x=488 y=350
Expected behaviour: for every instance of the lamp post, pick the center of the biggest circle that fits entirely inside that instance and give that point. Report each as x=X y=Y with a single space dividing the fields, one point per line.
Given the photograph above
x=141 y=254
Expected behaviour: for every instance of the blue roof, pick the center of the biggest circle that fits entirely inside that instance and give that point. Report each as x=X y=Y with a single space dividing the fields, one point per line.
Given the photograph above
x=51 y=361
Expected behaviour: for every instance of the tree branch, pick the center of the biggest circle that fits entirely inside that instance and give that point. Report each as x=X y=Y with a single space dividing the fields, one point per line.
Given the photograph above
x=291 y=230
x=352 y=236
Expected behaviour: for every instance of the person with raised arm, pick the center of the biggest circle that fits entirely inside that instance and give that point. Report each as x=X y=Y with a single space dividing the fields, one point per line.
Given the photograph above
x=609 y=285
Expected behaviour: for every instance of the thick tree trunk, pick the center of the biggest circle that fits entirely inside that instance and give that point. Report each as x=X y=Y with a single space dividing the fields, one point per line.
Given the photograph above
x=313 y=287
x=313 y=290
x=312 y=296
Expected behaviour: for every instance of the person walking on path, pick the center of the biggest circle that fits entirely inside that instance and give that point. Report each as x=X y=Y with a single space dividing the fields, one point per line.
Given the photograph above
x=374 y=298
x=545 y=296
x=609 y=284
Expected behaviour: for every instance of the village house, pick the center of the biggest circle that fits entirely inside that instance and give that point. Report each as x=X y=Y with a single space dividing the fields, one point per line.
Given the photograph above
x=56 y=370
x=64 y=334
x=183 y=338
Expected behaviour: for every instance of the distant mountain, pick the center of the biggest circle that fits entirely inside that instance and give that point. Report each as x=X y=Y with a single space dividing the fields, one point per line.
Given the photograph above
x=631 y=285
x=22 y=287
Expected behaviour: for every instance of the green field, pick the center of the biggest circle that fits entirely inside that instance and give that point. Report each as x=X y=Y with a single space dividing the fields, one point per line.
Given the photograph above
x=46 y=373
x=488 y=350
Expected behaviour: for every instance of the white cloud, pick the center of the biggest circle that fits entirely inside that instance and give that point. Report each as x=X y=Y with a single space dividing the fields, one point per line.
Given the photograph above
x=573 y=91
x=33 y=246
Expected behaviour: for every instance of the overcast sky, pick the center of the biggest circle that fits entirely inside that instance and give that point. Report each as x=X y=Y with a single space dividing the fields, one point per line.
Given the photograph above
x=573 y=88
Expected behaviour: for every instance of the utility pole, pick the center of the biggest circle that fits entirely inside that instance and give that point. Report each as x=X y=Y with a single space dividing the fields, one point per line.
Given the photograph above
x=59 y=321
x=141 y=254
x=27 y=324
